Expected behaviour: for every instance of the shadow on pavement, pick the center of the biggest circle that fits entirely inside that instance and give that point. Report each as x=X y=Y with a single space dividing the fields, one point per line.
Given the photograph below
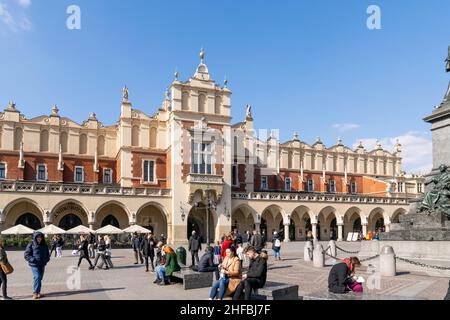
x=74 y=292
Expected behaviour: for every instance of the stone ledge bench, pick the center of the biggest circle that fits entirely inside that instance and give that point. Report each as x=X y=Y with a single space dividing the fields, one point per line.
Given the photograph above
x=193 y=279
x=354 y=296
x=276 y=291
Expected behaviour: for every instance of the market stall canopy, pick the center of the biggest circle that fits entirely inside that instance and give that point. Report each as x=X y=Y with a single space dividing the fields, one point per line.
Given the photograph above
x=52 y=229
x=136 y=228
x=109 y=229
x=17 y=230
x=80 y=230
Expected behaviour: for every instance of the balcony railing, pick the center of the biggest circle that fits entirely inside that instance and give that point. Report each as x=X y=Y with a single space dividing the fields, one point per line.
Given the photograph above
x=204 y=179
x=316 y=197
x=81 y=189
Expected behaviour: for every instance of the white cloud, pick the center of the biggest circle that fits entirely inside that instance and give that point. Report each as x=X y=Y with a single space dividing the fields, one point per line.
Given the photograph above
x=345 y=126
x=24 y=3
x=15 y=19
x=416 y=150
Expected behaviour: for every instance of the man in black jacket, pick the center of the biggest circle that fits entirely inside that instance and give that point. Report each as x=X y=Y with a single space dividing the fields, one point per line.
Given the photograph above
x=206 y=263
x=256 y=275
x=194 y=247
x=339 y=273
x=256 y=241
x=136 y=241
x=148 y=250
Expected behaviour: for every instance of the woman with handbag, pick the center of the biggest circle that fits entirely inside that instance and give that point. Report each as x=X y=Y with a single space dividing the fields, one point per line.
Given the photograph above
x=5 y=268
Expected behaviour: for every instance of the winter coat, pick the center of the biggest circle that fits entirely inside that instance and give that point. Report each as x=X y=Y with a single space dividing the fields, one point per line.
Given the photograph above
x=337 y=278
x=238 y=239
x=275 y=238
x=59 y=243
x=171 y=264
x=3 y=256
x=148 y=247
x=101 y=246
x=83 y=248
x=205 y=261
x=234 y=268
x=194 y=243
x=225 y=245
x=36 y=254
x=258 y=268
x=257 y=242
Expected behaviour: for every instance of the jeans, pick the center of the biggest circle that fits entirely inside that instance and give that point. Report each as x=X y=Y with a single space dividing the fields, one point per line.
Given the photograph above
x=3 y=282
x=194 y=257
x=247 y=285
x=38 y=274
x=222 y=285
x=160 y=273
x=138 y=254
x=100 y=255
x=146 y=262
x=276 y=252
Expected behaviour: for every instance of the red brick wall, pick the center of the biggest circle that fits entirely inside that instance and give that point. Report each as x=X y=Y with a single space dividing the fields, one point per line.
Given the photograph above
x=161 y=176
x=12 y=160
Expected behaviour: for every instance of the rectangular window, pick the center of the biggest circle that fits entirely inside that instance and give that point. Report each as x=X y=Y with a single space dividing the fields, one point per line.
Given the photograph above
x=264 y=185
x=41 y=172
x=400 y=187
x=310 y=185
x=353 y=187
x=149 y=171
x=2 y=170
x=419 y=187
x=202 y=160
x=332 y=186
x=287 y=184
x=79 y=174
x=107 y=176
x=234 y=175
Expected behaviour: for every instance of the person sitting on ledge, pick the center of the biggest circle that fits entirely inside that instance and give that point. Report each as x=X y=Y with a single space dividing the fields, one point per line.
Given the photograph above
x=341 y=280
x=206 y=263
x=230 y=276
x=164 y=272
x=256 y=275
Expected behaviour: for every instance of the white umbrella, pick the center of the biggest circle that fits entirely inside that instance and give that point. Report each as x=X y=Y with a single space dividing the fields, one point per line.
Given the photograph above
x=52 y=229
x=109 y=229
x=80 y=230
x=17 y=230
x=136 y=228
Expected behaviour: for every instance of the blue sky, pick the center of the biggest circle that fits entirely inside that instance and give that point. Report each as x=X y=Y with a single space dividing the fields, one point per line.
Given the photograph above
x=310 y=66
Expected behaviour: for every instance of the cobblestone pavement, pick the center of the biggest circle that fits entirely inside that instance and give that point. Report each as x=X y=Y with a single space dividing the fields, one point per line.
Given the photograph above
x=130 y=282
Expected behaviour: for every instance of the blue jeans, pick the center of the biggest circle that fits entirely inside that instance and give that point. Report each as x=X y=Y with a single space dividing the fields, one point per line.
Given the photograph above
x=160 y=272
x=38 y=274
x=222 y=285
x=276 y=252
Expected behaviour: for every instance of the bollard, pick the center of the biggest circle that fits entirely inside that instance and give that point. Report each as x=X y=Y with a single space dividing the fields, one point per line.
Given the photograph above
x=387 y=262
x=307 y=251
x=318 y=256
x=181 y=256
x=332 y=250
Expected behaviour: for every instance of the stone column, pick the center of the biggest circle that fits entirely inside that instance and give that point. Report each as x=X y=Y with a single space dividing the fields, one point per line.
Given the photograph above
x=286 y=233
x=340 y=232
x=258 y=226
x=314 y=230
x=364 y=229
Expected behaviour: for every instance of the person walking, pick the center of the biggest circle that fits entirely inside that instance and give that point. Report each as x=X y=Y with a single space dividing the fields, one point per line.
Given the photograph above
x=108 y=252
x=59 y=246
x=230 y=276
x=83 y=250
x=276 y=245
x=53 y=245
x=256 y=275
x=256 y=241
x=194 y=247
x=338 y=279
x=136 y=241
x=37 y=256
x=91 y=246
x=101 y=251
x=148 y=250
x=4 y=263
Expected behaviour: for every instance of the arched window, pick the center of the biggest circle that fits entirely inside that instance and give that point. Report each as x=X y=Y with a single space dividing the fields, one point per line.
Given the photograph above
x=70 y=221
x=18 y=136
x=153 y=137
x=135 y=136
x=29 y=220
x=63 y=141
x=43 y=142
x=101 y=145
x=83 y=144
x=110 y=220
x=217 y=105
x=201 y=103
x=185 y=101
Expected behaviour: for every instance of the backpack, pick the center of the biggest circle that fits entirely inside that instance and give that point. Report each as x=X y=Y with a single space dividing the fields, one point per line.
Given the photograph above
x=277 y=243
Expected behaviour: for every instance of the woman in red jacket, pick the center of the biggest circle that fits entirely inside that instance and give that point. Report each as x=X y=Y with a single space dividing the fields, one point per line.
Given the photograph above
x=228 y=242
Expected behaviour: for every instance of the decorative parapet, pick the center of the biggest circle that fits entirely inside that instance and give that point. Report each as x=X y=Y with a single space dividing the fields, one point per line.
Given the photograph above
x=81 y=189
x=204 y=183
x=316 y=197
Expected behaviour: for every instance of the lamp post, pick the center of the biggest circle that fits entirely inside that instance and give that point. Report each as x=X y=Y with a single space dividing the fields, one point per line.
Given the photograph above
x=209 y=205
x=183 y=214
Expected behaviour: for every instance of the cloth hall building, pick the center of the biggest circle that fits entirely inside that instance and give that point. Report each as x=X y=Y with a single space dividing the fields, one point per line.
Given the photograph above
x=188 y=167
